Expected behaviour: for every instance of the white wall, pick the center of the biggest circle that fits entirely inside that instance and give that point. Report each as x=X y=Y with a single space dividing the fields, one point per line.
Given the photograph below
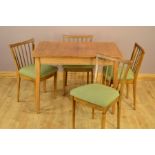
x=124 y=37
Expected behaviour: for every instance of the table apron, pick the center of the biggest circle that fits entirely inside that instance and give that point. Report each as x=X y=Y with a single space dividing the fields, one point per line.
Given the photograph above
x=68 y=61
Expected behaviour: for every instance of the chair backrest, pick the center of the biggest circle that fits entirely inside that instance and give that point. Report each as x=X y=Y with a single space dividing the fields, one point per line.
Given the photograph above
x=22 y=53
x=78 y=38
x=117 y=69
x=137 y=58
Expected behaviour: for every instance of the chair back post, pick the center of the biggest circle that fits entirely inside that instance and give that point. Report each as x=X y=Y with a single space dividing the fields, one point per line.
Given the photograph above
x=96 y=68
x=115 y=73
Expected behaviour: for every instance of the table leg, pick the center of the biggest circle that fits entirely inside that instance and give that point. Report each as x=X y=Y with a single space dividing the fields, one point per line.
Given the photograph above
x=115 y=82
x=37 y=84
x=64 y=81
x=115 y=70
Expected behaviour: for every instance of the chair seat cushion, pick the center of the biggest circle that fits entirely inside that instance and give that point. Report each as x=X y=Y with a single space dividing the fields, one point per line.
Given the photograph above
x=44 y=71
x=130 y=75
x=78 y=66
x=96 y=93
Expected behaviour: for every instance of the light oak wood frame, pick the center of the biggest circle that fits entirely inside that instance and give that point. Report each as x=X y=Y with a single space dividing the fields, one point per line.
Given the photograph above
x=136 y=58
x=77 y=38
x=51 y=52
x=118 y=85
x=22 y=54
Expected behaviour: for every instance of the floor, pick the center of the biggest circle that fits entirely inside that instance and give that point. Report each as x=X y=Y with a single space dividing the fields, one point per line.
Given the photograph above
x=57 y=112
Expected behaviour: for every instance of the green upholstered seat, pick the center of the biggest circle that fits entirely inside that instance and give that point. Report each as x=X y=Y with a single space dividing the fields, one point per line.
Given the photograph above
x=44 y=71
x=96 y=93
x=130 y=75
x=78 y=66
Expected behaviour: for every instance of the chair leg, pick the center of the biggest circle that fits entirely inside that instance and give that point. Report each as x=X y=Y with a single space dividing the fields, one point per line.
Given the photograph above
x=92 y=75
x=118 y=114
x=113 y=109
x=66 y=74
x=44 y=86
x=55 y=84
x=127 y=90
x=93 y=111
x=64 y=81
x=73 y=113
x=18 y=87
x=103 y=120
x=102 y=80
x=87 y=77
x=134 y=94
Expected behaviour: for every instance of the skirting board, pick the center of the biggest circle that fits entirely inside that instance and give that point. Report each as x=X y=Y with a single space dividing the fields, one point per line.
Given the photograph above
x=146 y=77
x=7 y=74
x=12 y=74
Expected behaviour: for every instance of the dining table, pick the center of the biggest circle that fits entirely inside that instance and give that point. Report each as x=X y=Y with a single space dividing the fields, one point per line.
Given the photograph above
x=69 y=53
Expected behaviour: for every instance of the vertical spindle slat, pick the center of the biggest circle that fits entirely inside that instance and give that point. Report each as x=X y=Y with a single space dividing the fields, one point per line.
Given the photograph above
x=26 y=53
x=23 y=57
x=20 y=58
x=30 y=53
x=16 y=57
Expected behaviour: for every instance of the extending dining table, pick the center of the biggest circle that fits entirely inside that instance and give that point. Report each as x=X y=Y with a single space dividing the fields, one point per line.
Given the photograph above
x=71 y=53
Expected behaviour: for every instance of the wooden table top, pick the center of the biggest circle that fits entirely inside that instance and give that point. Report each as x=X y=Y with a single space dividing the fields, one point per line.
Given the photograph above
x=76 y=49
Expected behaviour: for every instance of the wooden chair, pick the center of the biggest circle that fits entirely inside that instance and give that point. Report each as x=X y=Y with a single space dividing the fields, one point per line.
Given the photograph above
x=136 y=58
x=77 y=68
x=102 y=97
x=22 y=54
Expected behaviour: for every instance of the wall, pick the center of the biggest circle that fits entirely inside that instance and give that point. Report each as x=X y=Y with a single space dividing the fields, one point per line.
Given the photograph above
x=123 y=36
